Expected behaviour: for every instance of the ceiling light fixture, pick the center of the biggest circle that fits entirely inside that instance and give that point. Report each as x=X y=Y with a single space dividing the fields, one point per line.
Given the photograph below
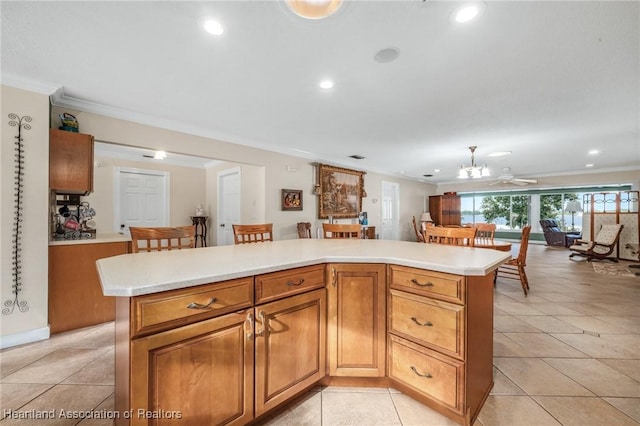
x=326 y=84
x=468 y=12
x=499 y=154
x=213 y=27
x=160 y=155
x=473 y=171
x=594 y=152
x=314 y=9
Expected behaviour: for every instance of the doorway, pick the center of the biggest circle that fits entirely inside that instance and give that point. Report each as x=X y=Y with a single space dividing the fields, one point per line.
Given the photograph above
x=229 y=194
x=390 y=214
x=141 y=198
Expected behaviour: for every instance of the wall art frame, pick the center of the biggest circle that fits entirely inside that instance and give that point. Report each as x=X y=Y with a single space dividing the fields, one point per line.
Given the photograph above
x=341 y=192
x=291 y=199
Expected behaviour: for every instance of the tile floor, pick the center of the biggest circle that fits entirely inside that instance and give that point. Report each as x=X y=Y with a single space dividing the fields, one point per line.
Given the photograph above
x=568 y=354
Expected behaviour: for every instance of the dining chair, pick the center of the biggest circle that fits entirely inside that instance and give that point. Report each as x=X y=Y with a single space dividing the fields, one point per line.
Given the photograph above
x=162 y=238
x=304 y=229
x=450 y=236
x=514 y=268
x=257 y=233
x=485 y=233
x=339 y=230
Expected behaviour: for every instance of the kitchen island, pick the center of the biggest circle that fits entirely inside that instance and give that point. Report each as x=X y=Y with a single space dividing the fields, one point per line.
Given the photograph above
x=225 y=335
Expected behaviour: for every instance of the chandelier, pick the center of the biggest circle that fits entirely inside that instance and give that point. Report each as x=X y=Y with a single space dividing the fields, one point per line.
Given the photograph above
x=473 y=171
x=314 y=9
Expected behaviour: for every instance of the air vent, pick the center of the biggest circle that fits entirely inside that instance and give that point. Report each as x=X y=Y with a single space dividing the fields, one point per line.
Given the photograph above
x=357 y=157
x=147 y=156
x=427 y=175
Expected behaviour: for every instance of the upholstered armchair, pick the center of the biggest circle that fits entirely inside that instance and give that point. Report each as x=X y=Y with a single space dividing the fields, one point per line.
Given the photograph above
x=555 y=236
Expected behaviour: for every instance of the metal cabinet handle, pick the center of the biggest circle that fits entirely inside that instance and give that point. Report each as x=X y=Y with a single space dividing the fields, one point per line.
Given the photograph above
x=426 y=376
x=194 y=305
x=427 y=284
x=291 y=283
x=426 y=324
x=262 y=322
x=249 y=321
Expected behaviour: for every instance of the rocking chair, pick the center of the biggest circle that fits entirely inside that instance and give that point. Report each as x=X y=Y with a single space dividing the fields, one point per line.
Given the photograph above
x=601 y=247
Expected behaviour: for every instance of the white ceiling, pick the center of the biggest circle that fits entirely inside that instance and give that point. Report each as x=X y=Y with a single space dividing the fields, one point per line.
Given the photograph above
x=546 y=80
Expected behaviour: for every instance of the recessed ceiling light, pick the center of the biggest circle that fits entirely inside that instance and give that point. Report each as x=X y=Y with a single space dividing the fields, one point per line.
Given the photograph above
x=436 y=170
x=499 y=154
x=314 y=9
x=589 y=165
x=468 y=12
x=326 y=84
x=160 y=155
x=594 y=152
x=213 y=27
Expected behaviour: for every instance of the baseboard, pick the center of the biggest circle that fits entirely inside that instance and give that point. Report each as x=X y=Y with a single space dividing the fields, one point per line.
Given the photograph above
x=29 y=336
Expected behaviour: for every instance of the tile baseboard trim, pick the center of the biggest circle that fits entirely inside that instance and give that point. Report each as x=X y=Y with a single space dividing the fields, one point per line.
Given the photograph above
x=28 y=336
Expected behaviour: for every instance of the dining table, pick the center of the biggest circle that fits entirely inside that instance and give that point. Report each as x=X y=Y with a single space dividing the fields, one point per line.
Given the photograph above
x=492 y=244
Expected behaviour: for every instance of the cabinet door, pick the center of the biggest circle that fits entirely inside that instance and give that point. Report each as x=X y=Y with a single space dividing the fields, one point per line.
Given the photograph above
x=290 y=347
x=356 y=320
x=203 y=370
x=70 y=162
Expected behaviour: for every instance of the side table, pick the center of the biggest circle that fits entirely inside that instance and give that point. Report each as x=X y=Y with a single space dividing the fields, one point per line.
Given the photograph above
x=200 y=223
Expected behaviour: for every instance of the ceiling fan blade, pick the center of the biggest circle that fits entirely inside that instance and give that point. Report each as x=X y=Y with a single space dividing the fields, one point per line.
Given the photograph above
x=518 y=182
x=496 y=182
x=525 y=180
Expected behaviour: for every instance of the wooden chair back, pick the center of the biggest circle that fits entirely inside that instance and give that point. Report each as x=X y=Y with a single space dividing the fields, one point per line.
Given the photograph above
x=304 y=229
x=163 y=238
x=524 y=246
x=514 y=268
x=419 y=236
x=339 y=230
x=450 y=236
x=485 y=233
x=258 y=233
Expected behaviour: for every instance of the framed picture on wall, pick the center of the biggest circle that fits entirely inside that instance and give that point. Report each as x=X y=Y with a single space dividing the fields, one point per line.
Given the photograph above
x=291 y=199
x=340 y=192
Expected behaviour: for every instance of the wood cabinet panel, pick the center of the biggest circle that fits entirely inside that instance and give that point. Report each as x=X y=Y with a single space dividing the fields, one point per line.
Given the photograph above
x=356 y=320
x=445 y=209
x=203 y=370
x=432 y=323
x=75 y=295
x=290 y=347
x=70 y=162
x=285 y=283
x=447 y=287
x=179 y=307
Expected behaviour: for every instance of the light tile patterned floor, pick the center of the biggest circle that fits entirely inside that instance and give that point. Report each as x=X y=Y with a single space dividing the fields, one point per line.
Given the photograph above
x=568 y=354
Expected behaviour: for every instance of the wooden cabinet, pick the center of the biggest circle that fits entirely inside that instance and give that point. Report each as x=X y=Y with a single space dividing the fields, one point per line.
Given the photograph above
x=356 y=319
x=290 y=347
x=445 y=209
x=70 y=162
x=185 y=351
x=440 y=339
x=75 y=295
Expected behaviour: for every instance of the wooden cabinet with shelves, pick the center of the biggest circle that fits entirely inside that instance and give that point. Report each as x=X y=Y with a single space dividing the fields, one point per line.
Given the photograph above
x=445 y=209
x=70 y=162
x=440 y=339
x=356 y=328
x=75 y=296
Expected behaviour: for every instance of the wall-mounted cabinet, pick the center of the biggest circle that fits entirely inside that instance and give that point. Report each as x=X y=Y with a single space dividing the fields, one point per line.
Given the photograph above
x=70 y=162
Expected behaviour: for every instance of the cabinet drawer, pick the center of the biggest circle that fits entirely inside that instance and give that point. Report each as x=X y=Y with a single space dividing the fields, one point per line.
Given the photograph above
x=279 y=284
x=439 y=285
x=438 y=325
x=178 y=307
x=432 y=374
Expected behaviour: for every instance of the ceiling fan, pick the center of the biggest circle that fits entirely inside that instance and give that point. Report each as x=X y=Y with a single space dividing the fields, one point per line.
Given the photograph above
x=505 y=179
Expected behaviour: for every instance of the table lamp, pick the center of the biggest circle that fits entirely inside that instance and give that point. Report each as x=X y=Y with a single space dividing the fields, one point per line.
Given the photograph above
x=426 y=218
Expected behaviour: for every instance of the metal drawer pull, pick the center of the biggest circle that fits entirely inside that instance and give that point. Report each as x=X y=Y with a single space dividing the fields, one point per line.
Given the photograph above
x=428 y=283
x=426 y=324
x=194 y=305
x=249 y=321
x=291 y=283
x=263 y=322
x=426 y=376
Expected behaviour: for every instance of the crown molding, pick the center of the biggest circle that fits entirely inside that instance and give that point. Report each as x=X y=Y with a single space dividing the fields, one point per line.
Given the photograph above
x=30 y=85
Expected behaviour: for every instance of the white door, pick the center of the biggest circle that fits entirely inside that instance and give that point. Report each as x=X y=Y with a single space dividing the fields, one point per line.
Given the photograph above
x=142 y=198
x=390 y=211
x=229 y=192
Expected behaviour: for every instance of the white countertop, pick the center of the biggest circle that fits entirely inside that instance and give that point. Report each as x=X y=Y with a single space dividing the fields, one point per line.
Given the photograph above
x=100 y=238
x=143 y=273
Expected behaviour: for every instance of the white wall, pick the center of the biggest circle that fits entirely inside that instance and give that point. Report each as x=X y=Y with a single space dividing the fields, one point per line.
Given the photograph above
x=21 y=327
